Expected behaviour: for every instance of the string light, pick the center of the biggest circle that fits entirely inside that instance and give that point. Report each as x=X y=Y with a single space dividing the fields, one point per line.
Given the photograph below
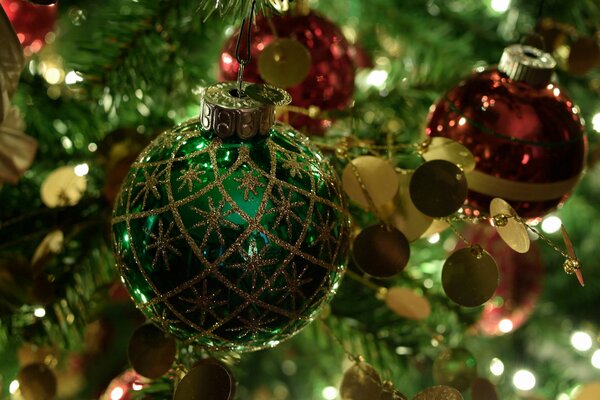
x=505 y=325
x=596 y=122
x=433 y=239
x=39 y=312
x=496 y=367
x=403 y=350
x=581 y=341
x=66 y=142
x=377 y=78
x=82 y=169
x=117 y=393
x=596 y=359
x=524 y=380
x=551 y=224
x=13 y=387
x=73 y=77
x=53 y=75
x=329 y=393
x=500 y=5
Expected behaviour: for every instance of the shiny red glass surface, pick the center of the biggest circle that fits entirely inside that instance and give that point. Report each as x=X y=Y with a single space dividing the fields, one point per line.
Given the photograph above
x=31 y=22
x=330 y=81
x=516 y=132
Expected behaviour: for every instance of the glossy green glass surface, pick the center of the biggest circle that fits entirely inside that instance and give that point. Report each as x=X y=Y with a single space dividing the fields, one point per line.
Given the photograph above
x=231 y=244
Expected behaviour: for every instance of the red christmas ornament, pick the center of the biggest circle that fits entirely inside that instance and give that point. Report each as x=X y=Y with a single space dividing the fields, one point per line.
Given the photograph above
x=31 y=22
x=361 y=57
x=525 y=133
x=328 y=81
x=520 y=285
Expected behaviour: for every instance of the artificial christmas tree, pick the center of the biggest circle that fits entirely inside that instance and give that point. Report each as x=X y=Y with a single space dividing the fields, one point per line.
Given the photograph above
x=114 y=76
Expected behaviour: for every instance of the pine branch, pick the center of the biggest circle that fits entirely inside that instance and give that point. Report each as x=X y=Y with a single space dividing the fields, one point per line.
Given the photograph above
x=81 y=275
x=131 y=39
x=233 y=8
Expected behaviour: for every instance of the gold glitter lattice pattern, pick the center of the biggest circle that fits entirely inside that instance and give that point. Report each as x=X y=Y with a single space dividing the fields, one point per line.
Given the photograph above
x=231 y=244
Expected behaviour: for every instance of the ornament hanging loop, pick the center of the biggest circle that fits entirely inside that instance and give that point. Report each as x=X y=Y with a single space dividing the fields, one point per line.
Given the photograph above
x=248 y=56
x=533 y=39
x=541 y=7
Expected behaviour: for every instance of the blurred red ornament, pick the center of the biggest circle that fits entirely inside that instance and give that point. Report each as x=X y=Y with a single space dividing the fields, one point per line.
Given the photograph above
x=361 y=57
x=124 y=386
x=329 y=81
x=520 y=285
x=118 y=293
x=31 y=22
x=526 y=134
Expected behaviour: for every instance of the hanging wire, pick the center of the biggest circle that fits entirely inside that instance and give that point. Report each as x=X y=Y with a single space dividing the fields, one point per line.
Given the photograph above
x=244 y=61
x=540 y=12
x=534 y=39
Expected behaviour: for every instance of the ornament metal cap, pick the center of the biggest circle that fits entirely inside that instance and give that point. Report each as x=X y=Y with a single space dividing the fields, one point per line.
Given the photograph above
x=528 y=64
x=227 y=113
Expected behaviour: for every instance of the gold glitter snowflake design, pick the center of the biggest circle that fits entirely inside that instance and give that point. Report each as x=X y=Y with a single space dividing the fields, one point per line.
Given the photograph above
x=232 y=245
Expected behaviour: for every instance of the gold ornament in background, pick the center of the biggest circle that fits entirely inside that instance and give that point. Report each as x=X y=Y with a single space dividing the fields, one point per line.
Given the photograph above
x=576 y=53
x=32 y=354
x=284 y=62
x=151 y=351
x=589 y=391
x=438 y=188
x=37 y=382
x=361 y=382
x=52 y=244
x=470 y=276
x=207 y=380
x=381 y=251
x=509 y=226
x=378 y=177
x=403 y=214
x=63 y=187
x=553 y=33
x=439 y=393
x=441 y=148
x=408 y=304
x=482 y=389
x=437 y=226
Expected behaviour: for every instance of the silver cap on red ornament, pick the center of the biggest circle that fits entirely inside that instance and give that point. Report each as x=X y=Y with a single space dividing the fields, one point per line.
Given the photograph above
x=528 y=64
x=248 y=114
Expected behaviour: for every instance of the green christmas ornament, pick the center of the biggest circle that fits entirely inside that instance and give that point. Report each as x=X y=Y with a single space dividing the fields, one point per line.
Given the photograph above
x=230 y=231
